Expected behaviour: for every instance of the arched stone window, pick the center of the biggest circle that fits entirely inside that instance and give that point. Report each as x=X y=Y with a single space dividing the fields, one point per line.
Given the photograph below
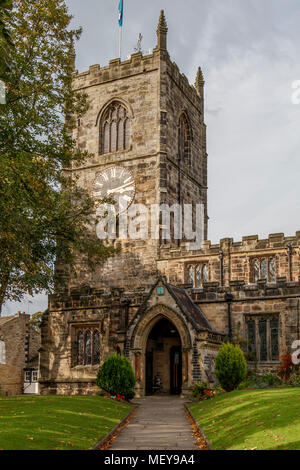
x=88 y=347
x=80 y=348
x=264 y=269
x=114 y=128
x=272 y=270
x=205 y=273
x=96 y=347
x=198 y=276
x=184 y=140
x=191 y=275
x=2 y=352
x=256 y=270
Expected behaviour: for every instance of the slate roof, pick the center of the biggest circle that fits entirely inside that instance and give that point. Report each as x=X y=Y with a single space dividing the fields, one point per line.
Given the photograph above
x=189 y=308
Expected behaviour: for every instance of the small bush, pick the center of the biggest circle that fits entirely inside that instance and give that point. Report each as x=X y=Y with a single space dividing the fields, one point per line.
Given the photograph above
x=231 y=366
x=286 y=367
x=270 y=379
x=202 y=391
x=294 y=378
x=116 y=377
x=198 y=389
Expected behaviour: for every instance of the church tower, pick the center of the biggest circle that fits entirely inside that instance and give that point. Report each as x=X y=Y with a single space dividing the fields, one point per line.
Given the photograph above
x=146 y=135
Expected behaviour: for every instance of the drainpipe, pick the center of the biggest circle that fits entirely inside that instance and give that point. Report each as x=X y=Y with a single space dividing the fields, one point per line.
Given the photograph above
x=289 y=247
x=221 y=267
x=229 y=298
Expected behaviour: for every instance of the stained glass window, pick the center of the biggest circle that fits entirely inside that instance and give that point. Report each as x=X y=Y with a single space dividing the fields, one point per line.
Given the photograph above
x=205 y=273
x=263 y=340
x=114 y=129
x=264 y=269
x=127 y=134
x=251 y=340
x=96 y=347
x=274 y=339
x=263 y=331
x=80 y=346
x=198 y=276
x=88 y=348
x=272 y=270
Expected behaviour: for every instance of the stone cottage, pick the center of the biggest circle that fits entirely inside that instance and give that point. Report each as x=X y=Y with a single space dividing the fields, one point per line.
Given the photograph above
x=19 y=344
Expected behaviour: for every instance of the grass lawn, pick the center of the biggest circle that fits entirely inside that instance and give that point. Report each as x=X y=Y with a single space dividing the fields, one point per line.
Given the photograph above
x=266 y=419
x=57 y=422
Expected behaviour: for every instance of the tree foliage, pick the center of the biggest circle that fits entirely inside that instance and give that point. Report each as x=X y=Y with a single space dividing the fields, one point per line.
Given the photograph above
x=5 y=39
x=44 y=214
x=116 y=376
x=231 y=366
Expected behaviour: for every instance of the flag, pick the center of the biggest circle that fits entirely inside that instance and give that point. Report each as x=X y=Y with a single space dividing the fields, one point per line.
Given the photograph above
x=121 y=7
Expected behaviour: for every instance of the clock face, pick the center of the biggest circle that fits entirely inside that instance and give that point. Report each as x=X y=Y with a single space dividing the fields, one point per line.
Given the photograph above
x=118 y=184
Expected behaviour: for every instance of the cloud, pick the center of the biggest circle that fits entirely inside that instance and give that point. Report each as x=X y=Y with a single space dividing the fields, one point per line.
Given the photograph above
x=249 y=55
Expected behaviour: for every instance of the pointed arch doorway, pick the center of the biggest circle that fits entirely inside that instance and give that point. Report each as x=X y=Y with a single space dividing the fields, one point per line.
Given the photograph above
x=163 y=359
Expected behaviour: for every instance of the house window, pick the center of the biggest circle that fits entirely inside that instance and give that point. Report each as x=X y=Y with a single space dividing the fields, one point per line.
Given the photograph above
x=27 y=377
x=34 y=376
x=115 y=129
x=2 y=352
x=263 y=338
x=87 y=347
x=264 y=268
x=184 y=140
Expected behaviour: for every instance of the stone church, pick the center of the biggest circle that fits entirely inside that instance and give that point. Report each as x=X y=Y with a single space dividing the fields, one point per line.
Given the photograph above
x=164 y=306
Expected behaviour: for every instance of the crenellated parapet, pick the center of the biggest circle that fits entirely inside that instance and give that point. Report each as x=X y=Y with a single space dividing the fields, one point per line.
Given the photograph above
x=248 y=261
x=116 y=70
x=86 y=297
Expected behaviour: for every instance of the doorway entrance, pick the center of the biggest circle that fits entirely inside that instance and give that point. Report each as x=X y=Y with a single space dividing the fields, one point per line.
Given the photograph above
x=163 y=359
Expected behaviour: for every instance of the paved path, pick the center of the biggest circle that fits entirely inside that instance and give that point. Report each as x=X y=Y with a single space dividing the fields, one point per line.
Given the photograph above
x=158 y=424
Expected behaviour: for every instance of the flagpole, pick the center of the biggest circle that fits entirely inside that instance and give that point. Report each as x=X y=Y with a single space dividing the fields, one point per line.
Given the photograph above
x=121 y=12
x=120 y=49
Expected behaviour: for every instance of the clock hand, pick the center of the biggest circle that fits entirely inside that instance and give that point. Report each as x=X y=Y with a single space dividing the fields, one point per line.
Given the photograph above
x=120 y=188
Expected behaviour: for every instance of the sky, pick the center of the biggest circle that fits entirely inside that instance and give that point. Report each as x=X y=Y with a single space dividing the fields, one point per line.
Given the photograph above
x=249 y=51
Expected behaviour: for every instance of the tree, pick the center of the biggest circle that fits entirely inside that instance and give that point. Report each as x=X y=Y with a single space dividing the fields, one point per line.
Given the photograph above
x=44 y=215
x=116 y=376
x=230 y=366
x=5 y=39
x=36 y=320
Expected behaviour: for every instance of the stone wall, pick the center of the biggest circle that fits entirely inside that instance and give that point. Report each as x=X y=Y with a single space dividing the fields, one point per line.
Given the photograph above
x=11 y=380
x=21 y=344
x=155 y=94
x=237 y=259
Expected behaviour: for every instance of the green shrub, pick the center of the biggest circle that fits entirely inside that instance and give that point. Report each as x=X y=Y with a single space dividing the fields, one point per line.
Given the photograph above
x=270 y=379
x=231 y=366
x=295 y=378
x=198 y=389
x=116 y=377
